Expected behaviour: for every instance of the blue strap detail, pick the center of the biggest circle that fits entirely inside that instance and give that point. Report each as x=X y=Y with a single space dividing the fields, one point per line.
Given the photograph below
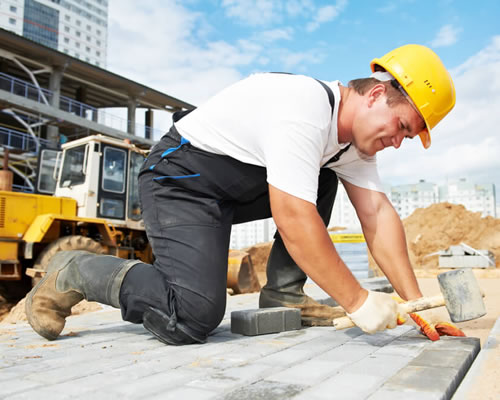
x=172 y=149
x=176 y=177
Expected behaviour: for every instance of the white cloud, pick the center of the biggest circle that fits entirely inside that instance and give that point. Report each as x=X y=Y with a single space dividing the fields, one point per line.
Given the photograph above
x=166 y=46
x=447 y=35
x=274 y=35
x=298 y=7
x=388 y=8
x=258 y=12
x=326 y=14
x=465 y=143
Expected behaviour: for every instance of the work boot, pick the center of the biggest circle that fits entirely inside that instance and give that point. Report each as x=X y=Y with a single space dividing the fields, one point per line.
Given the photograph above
x=285 y=288
x=71 y=277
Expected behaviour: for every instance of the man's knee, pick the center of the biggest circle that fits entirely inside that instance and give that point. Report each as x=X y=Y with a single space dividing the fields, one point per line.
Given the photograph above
x=202 y=312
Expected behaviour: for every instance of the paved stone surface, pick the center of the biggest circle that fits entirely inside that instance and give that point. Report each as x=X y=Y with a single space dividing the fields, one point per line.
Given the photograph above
x=101 y=357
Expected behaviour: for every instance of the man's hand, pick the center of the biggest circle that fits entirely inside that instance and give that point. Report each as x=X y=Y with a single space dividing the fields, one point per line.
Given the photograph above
x=378 y=312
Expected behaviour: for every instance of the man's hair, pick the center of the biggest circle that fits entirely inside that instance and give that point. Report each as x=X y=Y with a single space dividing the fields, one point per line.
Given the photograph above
x=363 y=85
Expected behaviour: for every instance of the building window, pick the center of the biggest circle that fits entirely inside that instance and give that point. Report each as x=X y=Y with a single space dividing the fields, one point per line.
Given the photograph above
x=12 y=21
x=98 y=53
x=66 y=29
x=98 y=32
x=77 y=55
x=42 y=23
x=78 y=22
x=78 y=33
x=98 y=42
x=89 y=27
x=66 y=40
x=88 y=49
x=77 y=44
x=66 y=51
x=97 y=63
x=67 y=18
x=13 y=9
x=89 y=39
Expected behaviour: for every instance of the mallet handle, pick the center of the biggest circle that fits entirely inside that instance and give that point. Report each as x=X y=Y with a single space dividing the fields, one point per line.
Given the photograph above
x=424 y=303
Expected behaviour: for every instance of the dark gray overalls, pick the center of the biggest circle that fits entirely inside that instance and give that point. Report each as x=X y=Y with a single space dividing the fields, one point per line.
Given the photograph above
x=190 y=198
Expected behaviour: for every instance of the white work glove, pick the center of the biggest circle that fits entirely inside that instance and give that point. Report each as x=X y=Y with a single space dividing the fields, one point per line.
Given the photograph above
x=378 y=312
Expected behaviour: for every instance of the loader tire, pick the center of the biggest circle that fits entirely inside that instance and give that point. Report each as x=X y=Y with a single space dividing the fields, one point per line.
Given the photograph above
x=75 y=242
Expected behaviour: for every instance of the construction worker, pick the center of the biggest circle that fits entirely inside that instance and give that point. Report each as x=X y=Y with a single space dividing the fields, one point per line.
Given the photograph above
x=270 y=145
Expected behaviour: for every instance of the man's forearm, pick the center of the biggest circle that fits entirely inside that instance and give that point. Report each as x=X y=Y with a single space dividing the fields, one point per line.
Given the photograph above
x=309 y=244
x=386 y=239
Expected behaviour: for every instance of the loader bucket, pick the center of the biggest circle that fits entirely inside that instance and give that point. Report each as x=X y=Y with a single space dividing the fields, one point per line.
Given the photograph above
x=241 y=276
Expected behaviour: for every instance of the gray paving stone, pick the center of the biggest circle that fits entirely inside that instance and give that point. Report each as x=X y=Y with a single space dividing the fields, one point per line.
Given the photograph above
x=153 y=384
x=265 y=390
x=307 y=373
x=342 y=386
x=443 y=358
x=348 y=353
x=378 y=365
x=284 y=358
x=384 y=394
x=16 y=385
x=264 y=321
x=185 y=393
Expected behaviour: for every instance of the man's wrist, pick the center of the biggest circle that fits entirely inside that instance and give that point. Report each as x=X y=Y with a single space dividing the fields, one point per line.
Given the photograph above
x=357 y=301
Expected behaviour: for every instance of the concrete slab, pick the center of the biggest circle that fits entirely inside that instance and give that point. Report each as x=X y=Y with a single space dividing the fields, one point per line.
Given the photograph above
x=100 y=356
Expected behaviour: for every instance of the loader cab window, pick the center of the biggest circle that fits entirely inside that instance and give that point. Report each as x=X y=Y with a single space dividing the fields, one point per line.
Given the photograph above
x=112 y=197
x=48 y=170
x=113 y=173
x=73 y=169
x=134 y=207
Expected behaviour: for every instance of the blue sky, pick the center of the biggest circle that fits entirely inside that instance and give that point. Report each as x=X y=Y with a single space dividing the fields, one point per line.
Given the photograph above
x=191 y=49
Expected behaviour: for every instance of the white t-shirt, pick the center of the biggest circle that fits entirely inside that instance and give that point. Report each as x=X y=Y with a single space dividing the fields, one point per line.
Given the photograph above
x=284 y=123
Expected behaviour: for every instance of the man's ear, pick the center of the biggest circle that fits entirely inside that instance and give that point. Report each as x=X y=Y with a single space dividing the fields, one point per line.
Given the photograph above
x=375 y=93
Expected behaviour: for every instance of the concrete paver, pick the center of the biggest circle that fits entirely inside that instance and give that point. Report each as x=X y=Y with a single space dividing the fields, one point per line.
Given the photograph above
x=100 y=356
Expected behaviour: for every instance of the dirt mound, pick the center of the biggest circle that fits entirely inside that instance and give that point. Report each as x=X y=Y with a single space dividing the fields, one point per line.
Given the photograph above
x=442 y=225
x=17 y=313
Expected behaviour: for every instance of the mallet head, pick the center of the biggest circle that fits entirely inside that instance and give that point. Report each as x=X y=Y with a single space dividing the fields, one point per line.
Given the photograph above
x=462 y=295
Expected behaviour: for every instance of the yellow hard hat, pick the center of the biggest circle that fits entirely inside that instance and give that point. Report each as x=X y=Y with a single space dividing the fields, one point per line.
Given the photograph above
x=425 y=79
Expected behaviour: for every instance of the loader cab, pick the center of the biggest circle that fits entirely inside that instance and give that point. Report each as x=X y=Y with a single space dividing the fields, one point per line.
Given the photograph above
x=100 y=173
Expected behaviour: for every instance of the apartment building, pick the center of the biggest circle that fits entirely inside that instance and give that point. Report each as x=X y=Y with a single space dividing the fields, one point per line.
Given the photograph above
x=78 y=28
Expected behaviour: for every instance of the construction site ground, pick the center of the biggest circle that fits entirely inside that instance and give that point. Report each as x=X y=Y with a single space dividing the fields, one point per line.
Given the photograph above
x=100 y=356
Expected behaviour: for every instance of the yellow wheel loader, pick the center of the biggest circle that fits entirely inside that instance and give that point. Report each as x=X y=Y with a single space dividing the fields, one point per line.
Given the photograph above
x=95 y=207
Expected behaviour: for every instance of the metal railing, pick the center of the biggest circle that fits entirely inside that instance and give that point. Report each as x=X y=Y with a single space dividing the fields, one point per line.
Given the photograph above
x=19 y=140
x=28 y=90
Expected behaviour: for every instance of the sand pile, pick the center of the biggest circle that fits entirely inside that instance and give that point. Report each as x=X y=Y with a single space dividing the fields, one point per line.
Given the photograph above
x=439 y=226
x=442 y=225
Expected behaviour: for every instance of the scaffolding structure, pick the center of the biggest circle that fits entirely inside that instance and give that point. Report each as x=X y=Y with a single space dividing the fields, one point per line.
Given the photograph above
x=48 y=97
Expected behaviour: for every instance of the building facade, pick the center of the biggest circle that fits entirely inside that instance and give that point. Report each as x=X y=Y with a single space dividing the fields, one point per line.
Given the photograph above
x=475 y=197
x=343 y=213
x=251 y=233
x=78 y=28
x=407 y=198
